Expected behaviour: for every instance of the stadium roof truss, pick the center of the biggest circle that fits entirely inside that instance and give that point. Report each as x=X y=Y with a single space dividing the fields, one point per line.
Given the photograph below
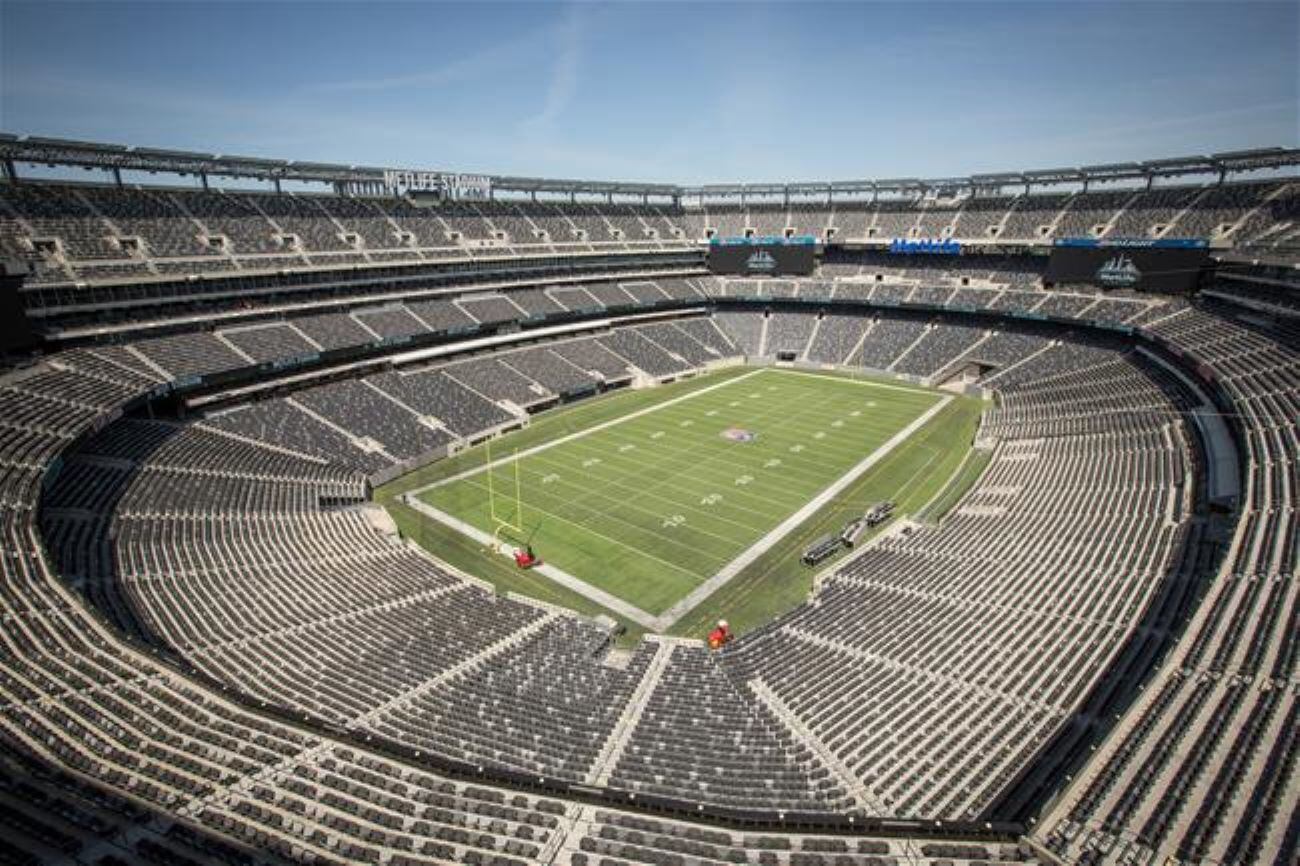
x=115 y=158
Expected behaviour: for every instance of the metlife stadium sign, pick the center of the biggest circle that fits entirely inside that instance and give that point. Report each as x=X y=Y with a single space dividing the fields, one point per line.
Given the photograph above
x=1140 y=264
x=925 y=246
x=454 y=187
x=763 y=256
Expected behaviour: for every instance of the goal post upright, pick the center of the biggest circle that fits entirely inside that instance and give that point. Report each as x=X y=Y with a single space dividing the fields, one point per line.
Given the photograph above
x=500 y=522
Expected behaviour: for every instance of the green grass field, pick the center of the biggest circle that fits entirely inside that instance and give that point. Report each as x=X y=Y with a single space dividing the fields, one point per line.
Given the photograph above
x=650 y=506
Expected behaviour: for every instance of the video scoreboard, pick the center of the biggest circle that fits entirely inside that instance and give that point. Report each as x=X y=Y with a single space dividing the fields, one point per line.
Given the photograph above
x=763 y=256
x=1139 y=264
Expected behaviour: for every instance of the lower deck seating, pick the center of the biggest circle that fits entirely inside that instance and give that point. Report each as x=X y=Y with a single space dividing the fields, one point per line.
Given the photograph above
x=921 y=679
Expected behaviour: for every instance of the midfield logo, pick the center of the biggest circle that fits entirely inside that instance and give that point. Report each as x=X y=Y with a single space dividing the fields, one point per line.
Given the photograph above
x=739 y=434
x=1119 y=272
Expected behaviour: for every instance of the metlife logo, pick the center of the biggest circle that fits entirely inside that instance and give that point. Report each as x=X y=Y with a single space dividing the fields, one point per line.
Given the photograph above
x=762 y=256
x=925 y=246
x=1119 y=273
x=1142 y=264
x=761 y=262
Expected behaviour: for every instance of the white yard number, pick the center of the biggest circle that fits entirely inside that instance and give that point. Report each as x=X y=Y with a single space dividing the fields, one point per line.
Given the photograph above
x=837 y=423
x=773 y=463
x=795 y=449
x=687 y=423
x=625 y=447
x=855 y=413
x=590 y=461
x=711 y=499
x=734 y=403
x=550 y=479
x=743 y=480
x=820 y=434
x=658 y=434
x=674 y=521
x=710 y=413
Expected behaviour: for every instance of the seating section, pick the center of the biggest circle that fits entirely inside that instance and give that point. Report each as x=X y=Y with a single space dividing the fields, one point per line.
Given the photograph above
x=368 y=413
x=496 y=381
x=333 y=330
x=941 y=347
x=435 y=395
x=290 y=425
x=283 y=649
x=390 y=323
x=615 y=838
x=837 y=336
x=744 y=329
x=789 y=333
x=270 y=342
x=887 y=340
x=699 y=737
x=104 y=233
x=549 y=370
x=593 y=358
x=643 y=353
x=104 y=748
x=1202 y=767
x=186 y=355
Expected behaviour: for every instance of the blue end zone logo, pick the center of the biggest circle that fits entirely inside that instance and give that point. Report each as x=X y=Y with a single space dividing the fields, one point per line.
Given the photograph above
x=736 y=434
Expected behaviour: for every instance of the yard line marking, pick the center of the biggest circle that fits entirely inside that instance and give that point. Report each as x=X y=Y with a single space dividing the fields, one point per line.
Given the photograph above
x=629 y=482
x=605 y=599
x=728 y=464
x=697 y=463
x=856 y=381
x=633 y=503
x=720 y=469
x=731 y=569
x=597 y=512
x=613 y=422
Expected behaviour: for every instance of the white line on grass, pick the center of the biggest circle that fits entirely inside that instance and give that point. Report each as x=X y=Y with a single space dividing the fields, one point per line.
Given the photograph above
x=851 y=378
x=717 y=454
x=641 y=493
x=595 y=593
x=636 y=527
x=587 y=432
x=731 y=569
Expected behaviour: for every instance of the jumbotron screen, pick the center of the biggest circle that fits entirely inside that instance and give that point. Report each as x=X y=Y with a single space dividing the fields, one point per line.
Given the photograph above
x=1168 y=266
x=760 y=256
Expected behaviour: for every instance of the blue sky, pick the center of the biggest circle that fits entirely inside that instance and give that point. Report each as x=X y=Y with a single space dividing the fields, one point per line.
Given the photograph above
x=672 y=92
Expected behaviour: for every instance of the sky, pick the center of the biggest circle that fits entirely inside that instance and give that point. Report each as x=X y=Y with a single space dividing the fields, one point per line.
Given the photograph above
x=665 y=92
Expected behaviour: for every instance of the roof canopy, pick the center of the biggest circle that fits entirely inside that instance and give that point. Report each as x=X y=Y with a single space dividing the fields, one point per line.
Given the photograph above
x=66 y=152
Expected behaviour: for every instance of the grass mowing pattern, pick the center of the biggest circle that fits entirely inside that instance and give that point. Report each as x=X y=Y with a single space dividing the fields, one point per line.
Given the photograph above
x=650 y=507
x=910 y=475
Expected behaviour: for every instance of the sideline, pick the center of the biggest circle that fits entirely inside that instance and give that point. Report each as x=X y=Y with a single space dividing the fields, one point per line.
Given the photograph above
x=791 y=523
x=595 y=593
x=581 y=433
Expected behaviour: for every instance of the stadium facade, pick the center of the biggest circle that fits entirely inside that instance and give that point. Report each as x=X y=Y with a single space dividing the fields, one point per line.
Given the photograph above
x=211 y=653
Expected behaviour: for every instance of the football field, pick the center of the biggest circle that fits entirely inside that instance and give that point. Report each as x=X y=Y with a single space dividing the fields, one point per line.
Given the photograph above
x=649 y=506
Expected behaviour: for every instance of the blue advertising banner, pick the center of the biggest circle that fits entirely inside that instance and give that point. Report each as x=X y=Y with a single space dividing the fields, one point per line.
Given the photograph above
x=1135 y=243
x=925 y=246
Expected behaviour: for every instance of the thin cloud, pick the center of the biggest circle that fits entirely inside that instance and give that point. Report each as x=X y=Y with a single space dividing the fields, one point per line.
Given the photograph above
x=563 y=83
x=498 y=57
